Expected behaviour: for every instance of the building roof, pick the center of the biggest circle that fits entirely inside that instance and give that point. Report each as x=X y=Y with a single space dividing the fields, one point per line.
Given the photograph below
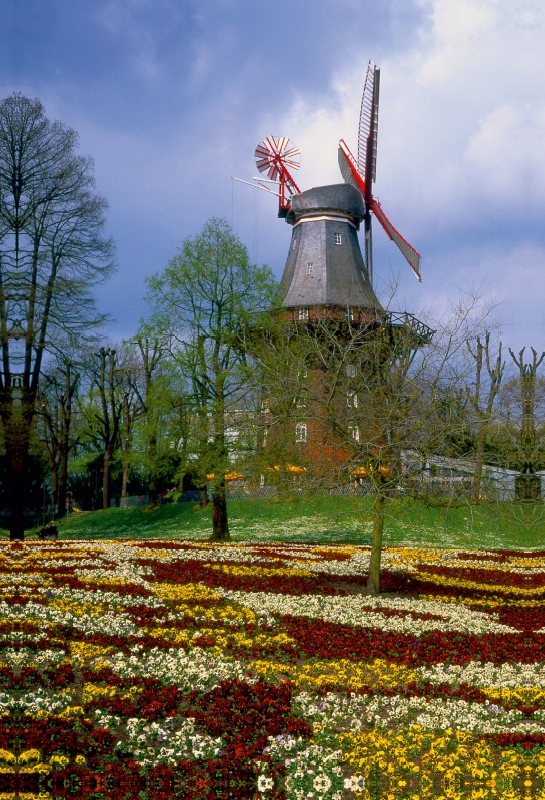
x=340 y=197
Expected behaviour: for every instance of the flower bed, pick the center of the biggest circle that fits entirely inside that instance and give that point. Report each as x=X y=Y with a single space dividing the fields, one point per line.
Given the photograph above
x=174 y=670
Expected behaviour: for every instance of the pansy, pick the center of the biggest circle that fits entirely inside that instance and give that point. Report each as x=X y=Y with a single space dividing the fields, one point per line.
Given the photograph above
x=267 y=668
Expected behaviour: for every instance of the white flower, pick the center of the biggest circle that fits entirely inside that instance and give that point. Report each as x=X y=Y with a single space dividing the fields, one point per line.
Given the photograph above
x=321 y=783
x=264 y=783
x=356 y=783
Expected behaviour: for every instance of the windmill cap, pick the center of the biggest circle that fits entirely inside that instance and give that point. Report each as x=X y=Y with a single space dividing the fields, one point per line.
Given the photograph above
x=340 y=197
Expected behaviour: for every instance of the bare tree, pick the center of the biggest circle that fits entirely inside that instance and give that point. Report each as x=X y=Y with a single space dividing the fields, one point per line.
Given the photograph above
x=104 y=410
x=488 y=378
x=149 y=389
x=50 y=435
x=52 y=251
x=363 y=400
x=528 y=485
x=56 y=409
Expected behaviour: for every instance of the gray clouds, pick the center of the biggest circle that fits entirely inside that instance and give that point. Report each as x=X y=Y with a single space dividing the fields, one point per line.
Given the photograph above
x=171 y=98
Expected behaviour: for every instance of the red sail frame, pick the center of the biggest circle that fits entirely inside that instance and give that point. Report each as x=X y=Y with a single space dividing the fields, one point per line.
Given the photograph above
x=351 y=174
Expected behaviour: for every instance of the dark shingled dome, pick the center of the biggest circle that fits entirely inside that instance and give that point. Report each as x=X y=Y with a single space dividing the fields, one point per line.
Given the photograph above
x=341 y=197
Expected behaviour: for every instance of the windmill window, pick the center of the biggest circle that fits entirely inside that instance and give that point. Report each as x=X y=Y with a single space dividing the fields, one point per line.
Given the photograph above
x=294 y=243
x=309 y=268
x=354 y=432
x=303 y=313
x=351 y=371
x=301 y=432
x=338 y=238
x=349 y=314
x=352 y=399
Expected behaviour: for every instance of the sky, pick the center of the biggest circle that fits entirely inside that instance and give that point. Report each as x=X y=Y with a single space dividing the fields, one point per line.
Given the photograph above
x=171 y=97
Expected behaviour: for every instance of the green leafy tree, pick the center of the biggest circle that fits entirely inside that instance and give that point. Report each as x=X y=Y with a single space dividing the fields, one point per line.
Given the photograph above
x=209 y=297
x=152 y=385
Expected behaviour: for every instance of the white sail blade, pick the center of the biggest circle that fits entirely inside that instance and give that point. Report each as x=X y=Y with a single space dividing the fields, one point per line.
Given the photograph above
x=413 y=256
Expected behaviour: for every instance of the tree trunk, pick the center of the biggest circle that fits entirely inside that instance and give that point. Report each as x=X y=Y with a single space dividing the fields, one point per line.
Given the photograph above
x=54 y=467
x=63 y=480
x=220 y=525
x=17 y=421
x=373 y=581
x=479 y=462
x=152 y=479
x=17 y=521
x=203 y=500
x=125 y=480
x=106 y=479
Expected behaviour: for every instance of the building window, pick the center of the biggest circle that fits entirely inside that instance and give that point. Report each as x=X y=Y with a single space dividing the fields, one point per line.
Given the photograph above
x=301 y=432
x=352 y=399
x=303 y=313
x=309 y=268
x=338 y=238
x=354 y=432
x=349 y=314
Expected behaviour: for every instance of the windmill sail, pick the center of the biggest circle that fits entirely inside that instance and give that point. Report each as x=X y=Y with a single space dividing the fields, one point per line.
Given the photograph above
x=368 y=127
x=349 y=167
x=362 y=172
x=413 y=256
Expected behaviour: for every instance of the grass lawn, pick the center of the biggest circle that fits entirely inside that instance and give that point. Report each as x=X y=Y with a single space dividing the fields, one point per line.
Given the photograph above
x=325 y=519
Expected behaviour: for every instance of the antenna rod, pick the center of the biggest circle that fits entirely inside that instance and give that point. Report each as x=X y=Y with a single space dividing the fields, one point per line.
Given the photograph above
x=255 y=185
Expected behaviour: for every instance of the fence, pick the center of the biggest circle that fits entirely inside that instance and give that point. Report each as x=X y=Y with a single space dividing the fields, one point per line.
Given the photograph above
x=245 y=493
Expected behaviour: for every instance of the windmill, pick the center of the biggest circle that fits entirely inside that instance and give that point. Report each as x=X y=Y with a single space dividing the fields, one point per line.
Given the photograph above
x=362 y=173
x=276 y=156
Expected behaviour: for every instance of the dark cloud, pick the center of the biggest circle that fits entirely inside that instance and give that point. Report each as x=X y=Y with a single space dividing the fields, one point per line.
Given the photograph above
x=171 y=97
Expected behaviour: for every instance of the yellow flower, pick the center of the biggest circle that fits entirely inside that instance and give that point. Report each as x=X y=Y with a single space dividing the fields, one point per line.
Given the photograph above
x=91 y=691
x=59 y=762
x=76 y=608
x=132 y=693
x=72 y=711
x=185 y=592
x=29 y=755
x=339 y=674
x=7 y=757
x=87 y=651
x=99 y=664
